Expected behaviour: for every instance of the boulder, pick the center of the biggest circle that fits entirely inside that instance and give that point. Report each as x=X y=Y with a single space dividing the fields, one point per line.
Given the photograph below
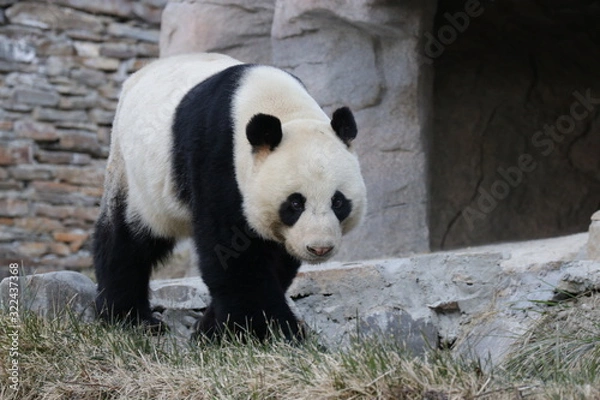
x=416 y=336
x=477 y=302
x=179 y=294
x=238 y=28
x=53 y=294
x=179 y=303
x=580 y=277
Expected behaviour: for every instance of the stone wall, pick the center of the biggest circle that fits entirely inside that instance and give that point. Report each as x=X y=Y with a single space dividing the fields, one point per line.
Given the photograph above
x=62 y=63
x=364 y=55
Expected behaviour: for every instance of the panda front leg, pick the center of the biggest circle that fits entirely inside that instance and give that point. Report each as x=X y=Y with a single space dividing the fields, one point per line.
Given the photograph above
x=123 y=259
x=248 y=294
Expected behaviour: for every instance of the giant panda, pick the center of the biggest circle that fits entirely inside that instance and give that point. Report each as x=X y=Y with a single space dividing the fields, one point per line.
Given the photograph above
x=242 y=159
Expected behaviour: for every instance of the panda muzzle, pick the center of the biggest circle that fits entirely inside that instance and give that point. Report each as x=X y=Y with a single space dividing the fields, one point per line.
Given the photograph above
x=319 y=251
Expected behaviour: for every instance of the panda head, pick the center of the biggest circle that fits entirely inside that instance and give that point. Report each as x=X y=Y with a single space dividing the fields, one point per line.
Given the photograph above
x=305 y=189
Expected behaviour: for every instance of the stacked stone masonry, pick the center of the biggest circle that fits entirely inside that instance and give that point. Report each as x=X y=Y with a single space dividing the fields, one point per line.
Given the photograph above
x=62 y=64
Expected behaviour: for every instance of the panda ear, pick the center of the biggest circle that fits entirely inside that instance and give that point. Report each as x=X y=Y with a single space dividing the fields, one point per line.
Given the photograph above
x=264 y=131
x=344 y=125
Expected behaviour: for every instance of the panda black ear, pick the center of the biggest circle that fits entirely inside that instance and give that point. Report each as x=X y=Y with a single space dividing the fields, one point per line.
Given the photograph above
x=264 y=130
x=344 y=125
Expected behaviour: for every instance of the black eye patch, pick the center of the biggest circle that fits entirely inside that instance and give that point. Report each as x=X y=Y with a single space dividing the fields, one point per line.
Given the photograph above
x=291 y=209
x=341 y=206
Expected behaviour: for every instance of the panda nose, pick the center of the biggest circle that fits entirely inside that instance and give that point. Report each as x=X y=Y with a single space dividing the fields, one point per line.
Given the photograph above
x=319 y=251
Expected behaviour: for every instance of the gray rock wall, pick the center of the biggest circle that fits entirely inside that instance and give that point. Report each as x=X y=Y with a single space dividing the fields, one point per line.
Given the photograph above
x=61 y=67
x=364 y=55
x=502 y=145
x=239 y=28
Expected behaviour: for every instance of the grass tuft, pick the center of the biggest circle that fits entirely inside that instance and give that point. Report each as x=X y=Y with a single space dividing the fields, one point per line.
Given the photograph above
x=66 y=359
x=563 y=348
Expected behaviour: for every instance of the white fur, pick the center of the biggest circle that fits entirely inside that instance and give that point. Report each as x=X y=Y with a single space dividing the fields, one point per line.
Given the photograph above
x=142 y=139
x=310 y=159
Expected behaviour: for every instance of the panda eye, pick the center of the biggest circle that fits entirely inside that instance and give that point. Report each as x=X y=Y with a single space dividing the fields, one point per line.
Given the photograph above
x=337 y=202
x=297 y=205
x=291 y=209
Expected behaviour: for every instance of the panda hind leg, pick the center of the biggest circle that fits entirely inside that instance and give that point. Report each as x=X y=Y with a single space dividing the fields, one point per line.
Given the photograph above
x=123 y=261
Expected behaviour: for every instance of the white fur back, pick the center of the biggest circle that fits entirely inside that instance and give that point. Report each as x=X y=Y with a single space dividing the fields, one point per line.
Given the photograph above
x=142 y=138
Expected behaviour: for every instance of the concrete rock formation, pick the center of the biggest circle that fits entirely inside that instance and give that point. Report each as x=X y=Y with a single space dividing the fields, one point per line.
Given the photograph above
x=363 y=54
x=52 y=294
x=477 y=302
x=516 y=130
x=450 y=160
x=238 y=28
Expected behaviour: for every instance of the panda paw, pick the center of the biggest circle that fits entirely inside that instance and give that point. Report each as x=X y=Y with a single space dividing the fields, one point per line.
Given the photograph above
x=148 y=322
x=211 y=328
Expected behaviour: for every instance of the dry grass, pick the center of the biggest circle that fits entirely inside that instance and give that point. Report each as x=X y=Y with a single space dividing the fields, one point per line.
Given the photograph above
x=65 y=359
x=563 y=349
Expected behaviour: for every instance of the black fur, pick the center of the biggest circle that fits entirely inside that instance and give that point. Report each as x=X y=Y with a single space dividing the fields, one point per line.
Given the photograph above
x=123 y=258
x=247 y=276
x=203 y=126
x=344 y=125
